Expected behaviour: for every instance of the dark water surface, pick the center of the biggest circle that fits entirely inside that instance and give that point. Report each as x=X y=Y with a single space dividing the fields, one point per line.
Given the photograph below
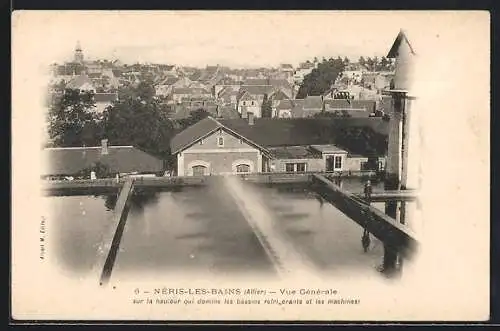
x=203 y=229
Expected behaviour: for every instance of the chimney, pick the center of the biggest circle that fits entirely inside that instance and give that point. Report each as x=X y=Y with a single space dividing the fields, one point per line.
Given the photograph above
x=250 y=118
x=104 y=146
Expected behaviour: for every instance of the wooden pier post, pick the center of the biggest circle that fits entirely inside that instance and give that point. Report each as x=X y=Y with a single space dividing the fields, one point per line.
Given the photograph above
x=398 y=151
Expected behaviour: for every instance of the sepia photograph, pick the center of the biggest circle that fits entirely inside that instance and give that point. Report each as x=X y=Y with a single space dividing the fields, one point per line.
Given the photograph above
x=287 y=165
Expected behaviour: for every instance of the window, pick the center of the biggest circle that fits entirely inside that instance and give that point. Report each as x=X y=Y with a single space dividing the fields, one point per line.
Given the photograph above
x=201 y=141
x=338 y=162
x=199 y=170
x=241 y=141
x=290 y=167
x=243 y=168
x=301 y=167
x=220 y=141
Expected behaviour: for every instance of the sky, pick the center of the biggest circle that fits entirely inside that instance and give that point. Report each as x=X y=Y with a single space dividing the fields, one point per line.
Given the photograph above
x=240 y=39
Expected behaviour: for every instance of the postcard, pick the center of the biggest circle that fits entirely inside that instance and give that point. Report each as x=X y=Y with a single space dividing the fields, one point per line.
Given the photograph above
x=250 y=165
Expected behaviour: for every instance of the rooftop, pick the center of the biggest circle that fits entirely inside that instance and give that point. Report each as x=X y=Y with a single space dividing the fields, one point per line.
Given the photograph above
x=294 y=152
x=122 y=159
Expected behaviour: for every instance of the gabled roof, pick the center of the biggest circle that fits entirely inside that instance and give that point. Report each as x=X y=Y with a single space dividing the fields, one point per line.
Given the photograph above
x=272 y=132
x=394 y=51
x=201 y=129
x=123 y=159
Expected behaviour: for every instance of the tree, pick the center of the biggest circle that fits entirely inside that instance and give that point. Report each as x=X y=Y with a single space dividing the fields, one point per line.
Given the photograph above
x=321 y=78
x=139 y=119
x=266 y=108
x=369 y=63
x=346 y=60
x=384 y=64
x=194 y=117
x=72 y=121
x=362 y=61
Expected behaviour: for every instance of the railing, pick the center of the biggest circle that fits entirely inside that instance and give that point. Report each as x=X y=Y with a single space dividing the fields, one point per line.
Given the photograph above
x=111 y=185
x=376 y=222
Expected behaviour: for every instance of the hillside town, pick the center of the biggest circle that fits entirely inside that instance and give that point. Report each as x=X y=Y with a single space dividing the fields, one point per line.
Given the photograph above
x=109 y=118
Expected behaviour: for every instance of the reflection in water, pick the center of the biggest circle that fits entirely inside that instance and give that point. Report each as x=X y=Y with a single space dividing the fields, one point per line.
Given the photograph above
x=202 y=229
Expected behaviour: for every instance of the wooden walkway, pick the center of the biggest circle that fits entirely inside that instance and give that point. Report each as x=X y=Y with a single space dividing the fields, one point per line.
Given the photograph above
x=385 y=228
x=111 y=240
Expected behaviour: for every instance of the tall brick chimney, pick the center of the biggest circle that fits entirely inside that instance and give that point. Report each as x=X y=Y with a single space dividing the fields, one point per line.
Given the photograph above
x=104 y=146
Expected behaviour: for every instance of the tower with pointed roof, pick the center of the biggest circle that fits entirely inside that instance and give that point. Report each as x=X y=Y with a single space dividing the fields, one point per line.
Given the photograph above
x=78 y=58
x=403 y=160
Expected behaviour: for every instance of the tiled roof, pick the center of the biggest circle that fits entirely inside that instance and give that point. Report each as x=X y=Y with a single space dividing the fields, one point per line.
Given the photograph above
x=193 y=133
x=294 y=152
x=271 y=132
x=257 y=89
x=328 y=148
x=203 y=128
x=342 y=104
x=123 y=159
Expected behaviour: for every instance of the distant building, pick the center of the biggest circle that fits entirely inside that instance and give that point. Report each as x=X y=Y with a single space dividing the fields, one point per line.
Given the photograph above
x=251 y=98
x=179 y=94
x=83 y=83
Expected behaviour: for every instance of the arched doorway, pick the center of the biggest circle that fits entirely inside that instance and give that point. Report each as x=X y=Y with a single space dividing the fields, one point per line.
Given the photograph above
x=242 y=168
x=199 y=170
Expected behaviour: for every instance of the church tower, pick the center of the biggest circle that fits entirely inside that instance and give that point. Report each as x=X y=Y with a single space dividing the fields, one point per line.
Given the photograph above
x=78 y=53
